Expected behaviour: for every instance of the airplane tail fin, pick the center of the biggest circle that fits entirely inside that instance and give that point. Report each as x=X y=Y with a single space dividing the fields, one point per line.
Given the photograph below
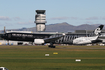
x=98 y=30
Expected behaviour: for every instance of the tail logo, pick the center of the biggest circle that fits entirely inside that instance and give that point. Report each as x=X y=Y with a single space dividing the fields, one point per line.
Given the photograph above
x=97 y=31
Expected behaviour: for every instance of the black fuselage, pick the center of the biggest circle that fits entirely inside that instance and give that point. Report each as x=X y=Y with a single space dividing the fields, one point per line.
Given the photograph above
x=24 y=36
x=67 y=39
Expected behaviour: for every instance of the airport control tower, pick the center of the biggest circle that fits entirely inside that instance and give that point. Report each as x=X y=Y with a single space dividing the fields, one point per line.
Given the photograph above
x=40 y=20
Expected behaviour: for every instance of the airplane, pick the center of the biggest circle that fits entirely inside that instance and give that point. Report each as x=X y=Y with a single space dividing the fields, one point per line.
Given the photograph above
x=54 y=37
x=88 y=40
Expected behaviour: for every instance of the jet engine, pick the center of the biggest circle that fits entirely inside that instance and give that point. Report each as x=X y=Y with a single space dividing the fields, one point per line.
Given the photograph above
x=38 y=41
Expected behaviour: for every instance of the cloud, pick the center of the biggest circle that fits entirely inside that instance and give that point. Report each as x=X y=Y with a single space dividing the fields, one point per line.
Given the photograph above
x=92 y=18
x=4 y=18
x=89 y=22
x=95 y=18
x=7 y=18
x=73 y=18
x=60 y=18
x=76 y=18
x=103 y=18
x=64 y=18
x=21 y=23
x=29 y=22
x=16 y=18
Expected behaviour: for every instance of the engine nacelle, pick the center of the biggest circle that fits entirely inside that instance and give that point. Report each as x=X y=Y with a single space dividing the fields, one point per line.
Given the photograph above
x=38 y=41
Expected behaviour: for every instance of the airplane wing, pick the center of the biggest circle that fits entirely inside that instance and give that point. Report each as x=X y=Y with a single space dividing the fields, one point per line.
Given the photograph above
x=53 y=39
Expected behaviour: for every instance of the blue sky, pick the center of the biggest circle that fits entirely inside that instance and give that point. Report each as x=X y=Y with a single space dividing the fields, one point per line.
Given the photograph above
x=21 y=13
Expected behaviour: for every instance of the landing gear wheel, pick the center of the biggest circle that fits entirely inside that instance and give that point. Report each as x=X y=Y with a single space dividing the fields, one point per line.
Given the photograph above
x=51 y=46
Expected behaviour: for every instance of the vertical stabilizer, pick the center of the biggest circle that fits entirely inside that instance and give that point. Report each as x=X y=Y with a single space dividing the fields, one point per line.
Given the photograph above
x=98 y=30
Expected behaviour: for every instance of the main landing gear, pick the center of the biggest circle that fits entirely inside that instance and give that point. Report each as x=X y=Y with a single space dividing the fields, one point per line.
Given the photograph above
x=51 y=45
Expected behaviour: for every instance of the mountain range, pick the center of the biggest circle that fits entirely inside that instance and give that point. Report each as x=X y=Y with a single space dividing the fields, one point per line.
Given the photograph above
x=61 y=27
